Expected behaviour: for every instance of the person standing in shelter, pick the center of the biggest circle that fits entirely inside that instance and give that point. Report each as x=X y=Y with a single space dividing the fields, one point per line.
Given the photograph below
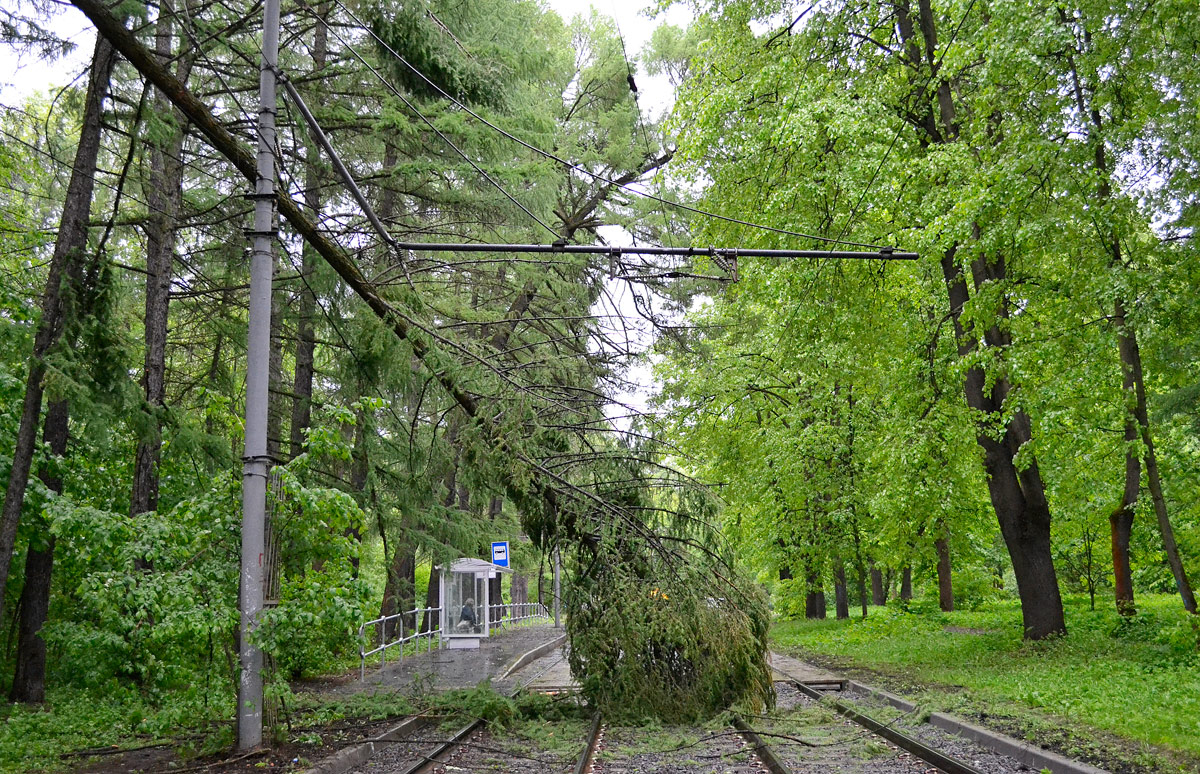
x=466 y=617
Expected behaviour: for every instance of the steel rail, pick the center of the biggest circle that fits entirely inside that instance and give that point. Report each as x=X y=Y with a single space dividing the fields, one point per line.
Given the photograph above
x=920 y=749
x=761 y=748
x=430 y=760
x=584 y=763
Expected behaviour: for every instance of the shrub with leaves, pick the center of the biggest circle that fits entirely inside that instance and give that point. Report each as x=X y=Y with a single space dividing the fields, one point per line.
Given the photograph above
x=671 y=635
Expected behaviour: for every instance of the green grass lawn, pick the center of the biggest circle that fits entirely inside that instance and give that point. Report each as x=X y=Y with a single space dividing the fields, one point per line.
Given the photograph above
x=1137 y=679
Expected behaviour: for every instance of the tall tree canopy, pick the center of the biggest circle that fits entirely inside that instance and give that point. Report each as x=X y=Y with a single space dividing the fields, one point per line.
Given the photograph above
x=1029 y=153
x=464 y=402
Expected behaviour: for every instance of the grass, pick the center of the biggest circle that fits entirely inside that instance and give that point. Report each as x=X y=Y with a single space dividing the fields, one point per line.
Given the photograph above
x=35 y=738
x=1137 y=679
x=561 y=738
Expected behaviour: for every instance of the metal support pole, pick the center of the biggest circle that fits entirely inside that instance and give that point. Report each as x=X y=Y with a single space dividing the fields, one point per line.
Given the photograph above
x=557 y=590
x=255 y=462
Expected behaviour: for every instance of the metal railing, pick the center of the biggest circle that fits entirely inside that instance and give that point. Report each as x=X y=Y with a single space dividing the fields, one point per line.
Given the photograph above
x=381 y=628
x=501 y=617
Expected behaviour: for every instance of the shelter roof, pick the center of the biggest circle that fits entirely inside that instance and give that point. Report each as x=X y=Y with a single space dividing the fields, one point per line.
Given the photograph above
x=474 y=565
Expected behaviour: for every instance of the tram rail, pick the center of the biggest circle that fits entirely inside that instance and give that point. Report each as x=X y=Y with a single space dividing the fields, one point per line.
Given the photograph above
x=441 y=755
x=930 y=755
x=586 y=762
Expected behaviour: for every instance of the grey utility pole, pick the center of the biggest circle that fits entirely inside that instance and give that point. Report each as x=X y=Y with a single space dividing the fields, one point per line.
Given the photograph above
x=255 y=463
x=557 y=590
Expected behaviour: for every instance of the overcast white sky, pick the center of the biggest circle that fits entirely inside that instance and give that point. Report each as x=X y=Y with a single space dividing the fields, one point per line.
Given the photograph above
x=22 y=74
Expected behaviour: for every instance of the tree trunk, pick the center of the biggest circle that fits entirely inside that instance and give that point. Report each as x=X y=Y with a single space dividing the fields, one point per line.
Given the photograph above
x=1164 y=524
x=859 y=562
x=878 y=593
x=406 y=567
x=862 y=588
x=29 y=678
x=1018 y=496
x=164 y=198
x=1120 y=521
x=1132 y=360
x=541 y=580
x=360 y=470
x=906 y=583
x=841 y=599
x=432 y=621
x=519 y=588
x=66 y=263
x=814 y=601
x=814 y=604
x=400 y=589
x=306 y=312
x=945 y=582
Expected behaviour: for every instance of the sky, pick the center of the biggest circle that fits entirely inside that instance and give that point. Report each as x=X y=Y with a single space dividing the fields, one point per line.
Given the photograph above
x=21 y=75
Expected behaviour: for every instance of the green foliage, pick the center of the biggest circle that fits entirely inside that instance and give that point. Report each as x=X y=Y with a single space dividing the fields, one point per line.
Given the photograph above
x=826 y=126
x=316 y=709
x=35 y=737
x=648 y=639
x=482 y=702
x=974 y=588
x=788 y=598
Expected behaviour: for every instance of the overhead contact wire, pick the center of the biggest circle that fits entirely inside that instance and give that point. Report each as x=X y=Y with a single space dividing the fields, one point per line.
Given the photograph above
x=396 y=92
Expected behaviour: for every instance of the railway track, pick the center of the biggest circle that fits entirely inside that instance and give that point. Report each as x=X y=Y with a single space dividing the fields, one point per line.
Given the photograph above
x=413 y=755
x=782 y=750
x=805 y=734
x=740 y=741
x=934 y=757
x=739 y=749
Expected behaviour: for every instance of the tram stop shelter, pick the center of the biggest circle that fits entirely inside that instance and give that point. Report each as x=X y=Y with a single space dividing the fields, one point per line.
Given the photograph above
x=466 y=608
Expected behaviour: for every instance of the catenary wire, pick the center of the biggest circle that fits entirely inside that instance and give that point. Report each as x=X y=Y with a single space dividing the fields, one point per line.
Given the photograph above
x=900 y=127
x=399 y=95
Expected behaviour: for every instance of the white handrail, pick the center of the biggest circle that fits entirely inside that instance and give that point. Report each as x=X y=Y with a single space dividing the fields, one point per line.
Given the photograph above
x=500 y=617
x=429 y=634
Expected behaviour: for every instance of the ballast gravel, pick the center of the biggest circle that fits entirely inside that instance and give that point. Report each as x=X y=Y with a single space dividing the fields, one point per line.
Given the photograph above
x=982 y=759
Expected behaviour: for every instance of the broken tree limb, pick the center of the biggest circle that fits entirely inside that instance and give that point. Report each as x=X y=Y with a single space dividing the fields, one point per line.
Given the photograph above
x=241 y=158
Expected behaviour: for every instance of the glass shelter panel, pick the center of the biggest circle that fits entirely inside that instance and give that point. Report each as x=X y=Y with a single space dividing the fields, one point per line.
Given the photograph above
x=465 y=604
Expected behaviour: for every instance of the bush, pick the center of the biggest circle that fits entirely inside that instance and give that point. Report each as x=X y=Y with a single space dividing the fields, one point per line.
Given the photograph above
x=650 y=640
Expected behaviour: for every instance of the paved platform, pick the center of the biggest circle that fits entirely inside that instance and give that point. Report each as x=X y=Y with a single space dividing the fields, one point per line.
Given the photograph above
x=445 y=669
x=548 y=674
x=804 y=673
